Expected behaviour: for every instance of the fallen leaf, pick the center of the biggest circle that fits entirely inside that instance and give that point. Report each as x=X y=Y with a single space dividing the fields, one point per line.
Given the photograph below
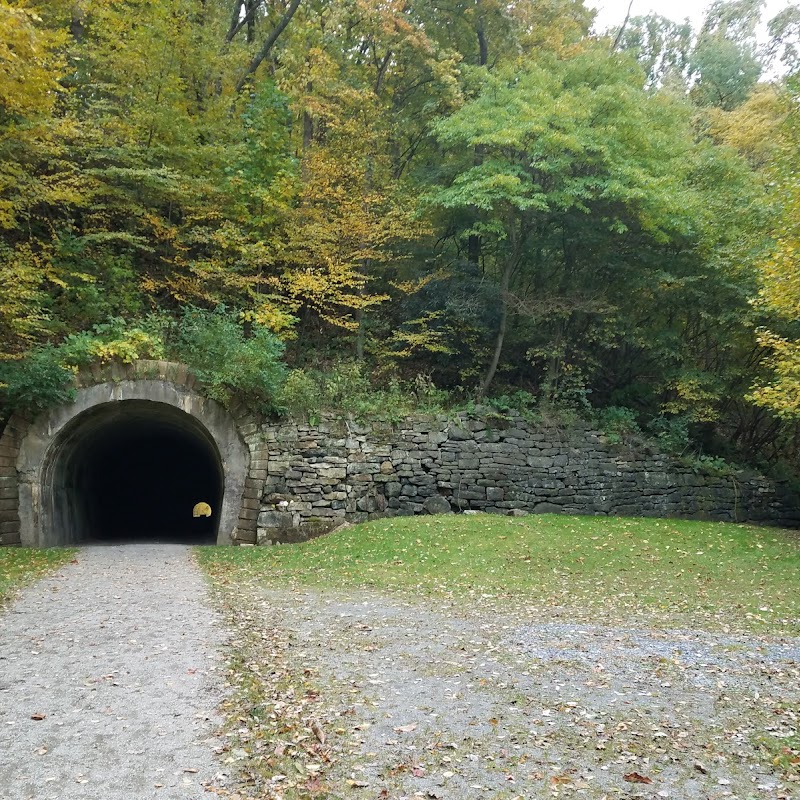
x=41 y=751
x=418 y=771
x=635 y=777
x=38 y=716
x=405 y=728
x=316 y=729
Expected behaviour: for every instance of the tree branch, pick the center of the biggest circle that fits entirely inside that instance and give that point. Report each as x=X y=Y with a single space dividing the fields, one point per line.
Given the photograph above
x=622 y=27
x=237 y=23
x=382 y=72
x=268 y=43
x=235 y=16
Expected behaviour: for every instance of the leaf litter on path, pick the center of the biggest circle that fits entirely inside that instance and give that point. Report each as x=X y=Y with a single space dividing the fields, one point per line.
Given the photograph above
x=424 y=700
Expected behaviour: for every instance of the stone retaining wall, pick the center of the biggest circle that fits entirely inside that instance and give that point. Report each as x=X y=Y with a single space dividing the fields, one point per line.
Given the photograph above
x=319 y=476
x=299 y=480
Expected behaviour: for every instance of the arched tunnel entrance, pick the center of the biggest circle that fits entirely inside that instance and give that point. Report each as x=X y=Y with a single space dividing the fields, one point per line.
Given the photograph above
x=132 y=470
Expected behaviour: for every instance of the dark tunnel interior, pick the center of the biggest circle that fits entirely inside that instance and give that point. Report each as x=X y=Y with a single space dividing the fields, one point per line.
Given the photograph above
x=134 y=471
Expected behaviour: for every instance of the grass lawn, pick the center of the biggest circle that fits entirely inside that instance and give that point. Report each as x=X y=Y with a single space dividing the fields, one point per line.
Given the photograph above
x=677 y=572
x=21 y=565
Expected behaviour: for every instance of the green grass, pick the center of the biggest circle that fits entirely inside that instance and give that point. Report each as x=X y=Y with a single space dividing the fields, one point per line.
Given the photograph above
x=710 y=575
x=21 y=565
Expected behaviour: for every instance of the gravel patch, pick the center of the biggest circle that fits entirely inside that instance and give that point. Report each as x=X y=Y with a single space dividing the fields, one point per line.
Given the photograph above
x=110 y=679
x=441 y=701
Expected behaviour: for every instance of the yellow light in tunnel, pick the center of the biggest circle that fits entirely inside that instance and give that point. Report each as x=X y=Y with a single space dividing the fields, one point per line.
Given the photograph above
x=201 y=510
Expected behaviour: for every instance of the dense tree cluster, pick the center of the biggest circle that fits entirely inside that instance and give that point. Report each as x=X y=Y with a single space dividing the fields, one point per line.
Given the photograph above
x=483 y=193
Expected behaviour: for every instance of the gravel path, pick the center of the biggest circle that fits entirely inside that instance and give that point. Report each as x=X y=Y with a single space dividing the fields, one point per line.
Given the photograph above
x=108 y=682
x=445 y=701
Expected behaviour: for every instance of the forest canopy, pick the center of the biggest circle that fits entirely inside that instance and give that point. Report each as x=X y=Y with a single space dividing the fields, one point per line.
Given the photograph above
x=464 y=199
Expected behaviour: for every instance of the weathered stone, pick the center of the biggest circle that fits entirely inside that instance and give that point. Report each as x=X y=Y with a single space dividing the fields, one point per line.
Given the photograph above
x=366 y=504
x=458 y=434
x=437 y=505
x=274 y=519
x=332 y=473
x=546 y=508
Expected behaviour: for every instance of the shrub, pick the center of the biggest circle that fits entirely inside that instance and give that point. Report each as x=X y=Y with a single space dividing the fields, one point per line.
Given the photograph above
x=345 y=388
x=114 y=340
x=37 y=381
x=671 y=434
x=617 y=423
x=300 y=394
x=214 y=345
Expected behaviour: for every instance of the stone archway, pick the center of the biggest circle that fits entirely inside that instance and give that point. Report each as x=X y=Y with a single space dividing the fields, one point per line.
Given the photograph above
x=129 y=458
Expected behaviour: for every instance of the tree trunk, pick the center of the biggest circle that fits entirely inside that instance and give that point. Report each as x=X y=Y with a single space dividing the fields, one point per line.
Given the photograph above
x=501 y=330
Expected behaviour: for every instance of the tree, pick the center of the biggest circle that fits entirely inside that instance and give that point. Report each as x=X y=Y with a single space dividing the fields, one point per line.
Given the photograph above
x=725 y=65
x=780 y=281
x=662 y=47
x=576 y=157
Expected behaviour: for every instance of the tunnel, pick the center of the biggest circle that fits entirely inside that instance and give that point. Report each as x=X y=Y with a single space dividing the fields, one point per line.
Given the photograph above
x=132 y=470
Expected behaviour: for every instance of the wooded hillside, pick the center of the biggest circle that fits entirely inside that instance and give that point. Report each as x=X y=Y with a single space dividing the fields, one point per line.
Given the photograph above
x=470 y=196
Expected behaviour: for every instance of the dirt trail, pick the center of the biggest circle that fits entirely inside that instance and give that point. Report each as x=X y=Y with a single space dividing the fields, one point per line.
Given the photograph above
x=108 y=680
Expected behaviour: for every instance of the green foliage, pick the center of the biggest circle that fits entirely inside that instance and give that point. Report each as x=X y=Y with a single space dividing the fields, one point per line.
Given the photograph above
x=114 y=340
x=522 y=402
x=710 y=465
x=300 y=394
x=226 y=361
x=671 y=434
x=36 y=381
x=619 y=424
x=344 y=388
x=44 y=376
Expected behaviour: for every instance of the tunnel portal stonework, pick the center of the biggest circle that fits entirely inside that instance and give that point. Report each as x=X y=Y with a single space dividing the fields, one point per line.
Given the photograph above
x=41 y=459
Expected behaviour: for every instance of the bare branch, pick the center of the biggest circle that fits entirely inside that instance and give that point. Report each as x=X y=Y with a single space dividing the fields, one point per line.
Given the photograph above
x=268 y=43
x=382 y=67
x=235 y=15
x=622 y=27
